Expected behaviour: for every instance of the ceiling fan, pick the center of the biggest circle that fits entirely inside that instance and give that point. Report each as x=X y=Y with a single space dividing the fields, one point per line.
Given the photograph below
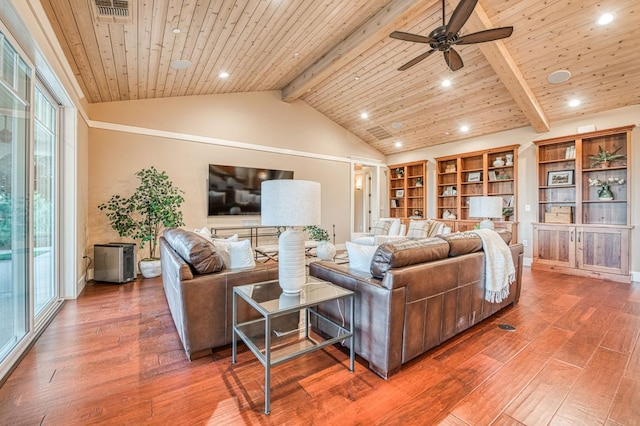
x=446 y=36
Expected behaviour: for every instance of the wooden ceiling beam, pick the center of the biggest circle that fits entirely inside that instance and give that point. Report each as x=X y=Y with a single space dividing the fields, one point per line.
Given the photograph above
x=508 y=72
x=364 y=37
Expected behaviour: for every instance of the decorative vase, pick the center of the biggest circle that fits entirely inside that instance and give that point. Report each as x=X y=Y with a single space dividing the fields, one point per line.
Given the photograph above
x=150 y=268
x=605 y=164
x=509 y=158
x=605 y=193
x=325 y=250
x=498 y=162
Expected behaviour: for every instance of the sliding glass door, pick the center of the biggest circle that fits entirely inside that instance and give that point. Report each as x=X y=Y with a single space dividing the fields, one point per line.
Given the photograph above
x=44 y=199
x=15 y=86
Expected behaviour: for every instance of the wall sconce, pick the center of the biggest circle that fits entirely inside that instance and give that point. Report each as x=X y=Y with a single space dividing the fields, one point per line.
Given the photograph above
x=358 y=183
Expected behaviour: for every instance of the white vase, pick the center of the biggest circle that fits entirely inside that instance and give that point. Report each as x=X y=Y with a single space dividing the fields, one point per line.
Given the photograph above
x=499 y=162
x=509 y=158
x=150 y=268
x=325 y=250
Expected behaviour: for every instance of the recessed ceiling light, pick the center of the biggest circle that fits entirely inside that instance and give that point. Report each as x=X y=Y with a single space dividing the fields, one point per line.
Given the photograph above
x=364 y=115
x=398 y=144
x=605 y=18
x=223 y=74
x=296 y=54
x=574 y=103
x=464 y=128
x=446 y=83
x=559 y=76
x=356 y=78
x=180 y=64
x=176 y=30
x=397 y=125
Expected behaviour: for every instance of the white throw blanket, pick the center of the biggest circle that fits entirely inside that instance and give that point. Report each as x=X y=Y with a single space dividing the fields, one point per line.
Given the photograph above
x=499 y=271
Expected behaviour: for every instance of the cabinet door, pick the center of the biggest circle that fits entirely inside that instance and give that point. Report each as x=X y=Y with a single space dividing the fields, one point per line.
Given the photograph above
x=554 y=245
x=603 y=249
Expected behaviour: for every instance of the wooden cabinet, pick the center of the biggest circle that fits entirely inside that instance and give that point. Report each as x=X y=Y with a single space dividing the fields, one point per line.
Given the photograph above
x=488 y=172
x=407 y=196
x=580 y=230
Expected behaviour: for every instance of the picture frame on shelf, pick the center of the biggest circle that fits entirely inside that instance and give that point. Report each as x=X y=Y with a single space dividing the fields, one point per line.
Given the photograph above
x=492 y=175
x=559 y=177
x=399 y=193
x=394 y=203
x=474 y=176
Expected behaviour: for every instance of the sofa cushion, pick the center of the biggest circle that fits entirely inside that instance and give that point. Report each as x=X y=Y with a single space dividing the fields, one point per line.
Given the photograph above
x=468 y=242
x=407 y=252
x=197 y=251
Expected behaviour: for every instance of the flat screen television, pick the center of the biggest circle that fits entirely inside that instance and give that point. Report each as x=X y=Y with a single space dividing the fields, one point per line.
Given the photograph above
x=236 y=190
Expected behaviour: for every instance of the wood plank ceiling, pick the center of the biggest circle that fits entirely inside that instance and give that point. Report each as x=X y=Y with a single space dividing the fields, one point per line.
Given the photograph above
x=337 y=57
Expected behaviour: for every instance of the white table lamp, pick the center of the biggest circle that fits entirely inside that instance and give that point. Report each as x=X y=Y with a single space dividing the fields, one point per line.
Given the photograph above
x=485 y=208
x=289 y=202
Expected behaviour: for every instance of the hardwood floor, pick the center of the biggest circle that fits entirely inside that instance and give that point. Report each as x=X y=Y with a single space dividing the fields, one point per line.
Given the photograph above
x=113 y=357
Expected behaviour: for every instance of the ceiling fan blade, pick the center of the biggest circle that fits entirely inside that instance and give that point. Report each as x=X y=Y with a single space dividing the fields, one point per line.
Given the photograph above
x=416 y=60
x=453 y=59
x=410 y=37
x=460 y=16
x=486 y=35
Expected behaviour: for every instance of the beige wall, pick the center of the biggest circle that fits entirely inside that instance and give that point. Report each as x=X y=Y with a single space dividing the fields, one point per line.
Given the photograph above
x=527 y=167
x=308 y=143
x=259 y=118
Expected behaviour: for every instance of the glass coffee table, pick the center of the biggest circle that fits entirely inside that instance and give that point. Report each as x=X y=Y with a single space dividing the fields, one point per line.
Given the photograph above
x=283 y=331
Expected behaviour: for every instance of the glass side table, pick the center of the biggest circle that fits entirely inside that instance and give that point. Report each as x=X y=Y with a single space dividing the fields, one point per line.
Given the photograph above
x=283 y=332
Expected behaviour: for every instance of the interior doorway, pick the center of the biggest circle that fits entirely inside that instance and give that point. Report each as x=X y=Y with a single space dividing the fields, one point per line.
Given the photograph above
x=365 y=190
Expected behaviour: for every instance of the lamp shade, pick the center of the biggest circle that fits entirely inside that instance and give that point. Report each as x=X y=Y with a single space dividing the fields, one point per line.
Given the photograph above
x=485 y=207
x=290 y=202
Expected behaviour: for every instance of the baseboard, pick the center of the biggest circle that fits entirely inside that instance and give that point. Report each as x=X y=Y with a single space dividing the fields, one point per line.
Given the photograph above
x=80 y=284
x=527 y=261
x=635 y=276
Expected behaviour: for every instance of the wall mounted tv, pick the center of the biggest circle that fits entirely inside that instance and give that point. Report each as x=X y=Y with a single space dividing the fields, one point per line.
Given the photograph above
x=235 y=190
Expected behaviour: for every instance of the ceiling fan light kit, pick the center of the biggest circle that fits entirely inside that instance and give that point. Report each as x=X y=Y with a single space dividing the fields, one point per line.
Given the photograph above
x=448 y=35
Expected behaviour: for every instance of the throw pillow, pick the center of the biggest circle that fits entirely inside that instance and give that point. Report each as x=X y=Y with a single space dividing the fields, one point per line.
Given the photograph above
x=380 y=227
x=236 y=254
x=394 y=227
x=204 y=232
x=360 y=256
x=418 y=229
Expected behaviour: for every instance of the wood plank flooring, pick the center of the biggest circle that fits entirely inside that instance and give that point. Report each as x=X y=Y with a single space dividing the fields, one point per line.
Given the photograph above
x=113 y=357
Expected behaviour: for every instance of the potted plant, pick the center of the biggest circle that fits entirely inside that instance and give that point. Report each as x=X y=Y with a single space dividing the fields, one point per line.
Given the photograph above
x=153 y=206
x=604 y=193
x=325 y=250
x=604 y=158
x=507 y=212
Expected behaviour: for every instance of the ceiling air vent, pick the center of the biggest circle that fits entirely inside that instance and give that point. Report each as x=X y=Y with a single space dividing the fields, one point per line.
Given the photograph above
x=379 y=133
x=112 y=11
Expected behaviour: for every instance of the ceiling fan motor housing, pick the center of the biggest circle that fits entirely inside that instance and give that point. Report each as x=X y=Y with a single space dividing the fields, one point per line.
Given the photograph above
x=440 y=41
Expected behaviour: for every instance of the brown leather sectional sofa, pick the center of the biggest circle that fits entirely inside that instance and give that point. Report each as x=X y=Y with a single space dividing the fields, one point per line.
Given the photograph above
x=422 y=299
x=200 y=301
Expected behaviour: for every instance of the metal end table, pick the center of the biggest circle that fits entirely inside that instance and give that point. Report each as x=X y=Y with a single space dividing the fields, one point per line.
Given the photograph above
x=277 y=336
